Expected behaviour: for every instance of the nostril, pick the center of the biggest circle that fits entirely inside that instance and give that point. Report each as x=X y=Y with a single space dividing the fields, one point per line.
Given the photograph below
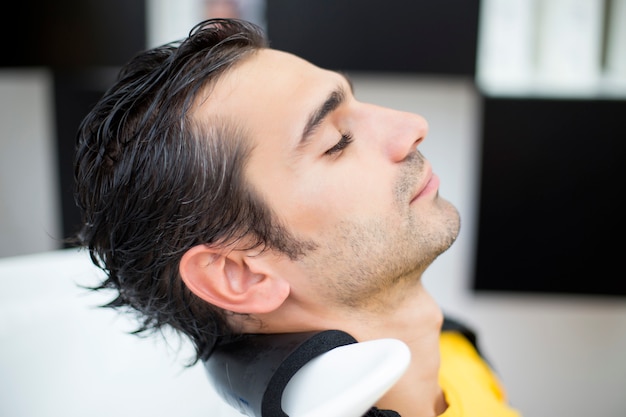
x=418 y=142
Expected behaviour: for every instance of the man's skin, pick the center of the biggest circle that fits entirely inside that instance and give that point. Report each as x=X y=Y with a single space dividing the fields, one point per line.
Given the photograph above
x=347 y=179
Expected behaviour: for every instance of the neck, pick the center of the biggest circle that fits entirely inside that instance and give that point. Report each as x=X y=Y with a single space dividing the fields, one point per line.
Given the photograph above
x=416 y=320
x=408 y=314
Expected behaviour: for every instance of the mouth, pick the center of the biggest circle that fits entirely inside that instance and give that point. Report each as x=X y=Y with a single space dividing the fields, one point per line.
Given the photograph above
x=429 y=186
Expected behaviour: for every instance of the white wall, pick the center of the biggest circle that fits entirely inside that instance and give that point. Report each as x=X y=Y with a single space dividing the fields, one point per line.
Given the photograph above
x=29 y=188
x=559 y=356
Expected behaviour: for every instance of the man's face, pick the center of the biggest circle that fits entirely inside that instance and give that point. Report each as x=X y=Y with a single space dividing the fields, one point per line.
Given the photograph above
x=341 y=174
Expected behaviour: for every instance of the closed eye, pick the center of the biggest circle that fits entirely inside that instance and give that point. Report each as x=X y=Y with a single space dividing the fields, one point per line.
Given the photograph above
x=345 y=140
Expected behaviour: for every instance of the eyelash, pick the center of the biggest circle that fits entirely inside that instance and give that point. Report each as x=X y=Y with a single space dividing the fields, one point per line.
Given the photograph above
x=346 y=139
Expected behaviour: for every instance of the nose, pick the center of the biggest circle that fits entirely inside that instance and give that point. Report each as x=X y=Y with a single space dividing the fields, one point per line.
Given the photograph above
x=409 y=131
x=400 y=132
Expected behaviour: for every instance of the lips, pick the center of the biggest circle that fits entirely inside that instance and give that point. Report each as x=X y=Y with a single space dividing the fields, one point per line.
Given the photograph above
x=429 y=185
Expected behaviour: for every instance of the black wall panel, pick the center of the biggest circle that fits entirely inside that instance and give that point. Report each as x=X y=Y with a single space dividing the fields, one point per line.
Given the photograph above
x=75 y=93
x=551 y=214
x=72 y=33
x=419 y=36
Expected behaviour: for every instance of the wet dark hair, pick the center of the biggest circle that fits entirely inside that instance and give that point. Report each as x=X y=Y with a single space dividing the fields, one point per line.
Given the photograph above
x=152 y=182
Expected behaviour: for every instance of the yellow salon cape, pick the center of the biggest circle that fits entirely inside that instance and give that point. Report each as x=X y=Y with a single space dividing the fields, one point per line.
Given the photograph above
x=471 y=387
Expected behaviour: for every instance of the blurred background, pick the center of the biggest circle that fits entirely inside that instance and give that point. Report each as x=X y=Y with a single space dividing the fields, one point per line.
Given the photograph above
x=526 y=102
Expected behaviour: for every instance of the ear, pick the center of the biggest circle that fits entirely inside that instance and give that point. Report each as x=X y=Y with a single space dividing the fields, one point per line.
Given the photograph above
x=234 y=280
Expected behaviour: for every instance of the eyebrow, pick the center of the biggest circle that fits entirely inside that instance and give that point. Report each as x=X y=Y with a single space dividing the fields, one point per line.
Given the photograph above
x=332 y=102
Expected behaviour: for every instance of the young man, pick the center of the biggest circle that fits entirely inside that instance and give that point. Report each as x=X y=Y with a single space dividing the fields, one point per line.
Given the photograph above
x=229 y=188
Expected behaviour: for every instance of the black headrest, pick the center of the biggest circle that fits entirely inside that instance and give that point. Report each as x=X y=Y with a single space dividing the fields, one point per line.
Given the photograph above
x=251 y=373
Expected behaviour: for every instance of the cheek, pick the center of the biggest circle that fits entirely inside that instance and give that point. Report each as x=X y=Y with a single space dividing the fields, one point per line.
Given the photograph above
x=301 y=202
x=319 y=202
x=316 y=204
x=314 y=197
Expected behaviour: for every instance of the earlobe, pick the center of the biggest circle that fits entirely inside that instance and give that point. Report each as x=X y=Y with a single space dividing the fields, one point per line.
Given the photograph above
x=232 y=280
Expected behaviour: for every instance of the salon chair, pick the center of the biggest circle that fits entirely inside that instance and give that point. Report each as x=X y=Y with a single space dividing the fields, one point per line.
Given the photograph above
x=310 y=374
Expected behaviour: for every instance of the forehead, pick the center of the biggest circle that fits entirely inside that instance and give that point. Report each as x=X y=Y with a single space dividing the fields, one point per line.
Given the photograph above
x=269 y=93
x=269 y=71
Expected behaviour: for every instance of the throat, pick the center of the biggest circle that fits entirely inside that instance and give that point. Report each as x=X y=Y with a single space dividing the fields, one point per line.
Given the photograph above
x=411 y=315
x=416 y=320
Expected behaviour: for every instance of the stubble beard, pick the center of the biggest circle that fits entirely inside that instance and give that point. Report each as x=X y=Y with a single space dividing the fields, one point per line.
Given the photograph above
x=363 y=261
